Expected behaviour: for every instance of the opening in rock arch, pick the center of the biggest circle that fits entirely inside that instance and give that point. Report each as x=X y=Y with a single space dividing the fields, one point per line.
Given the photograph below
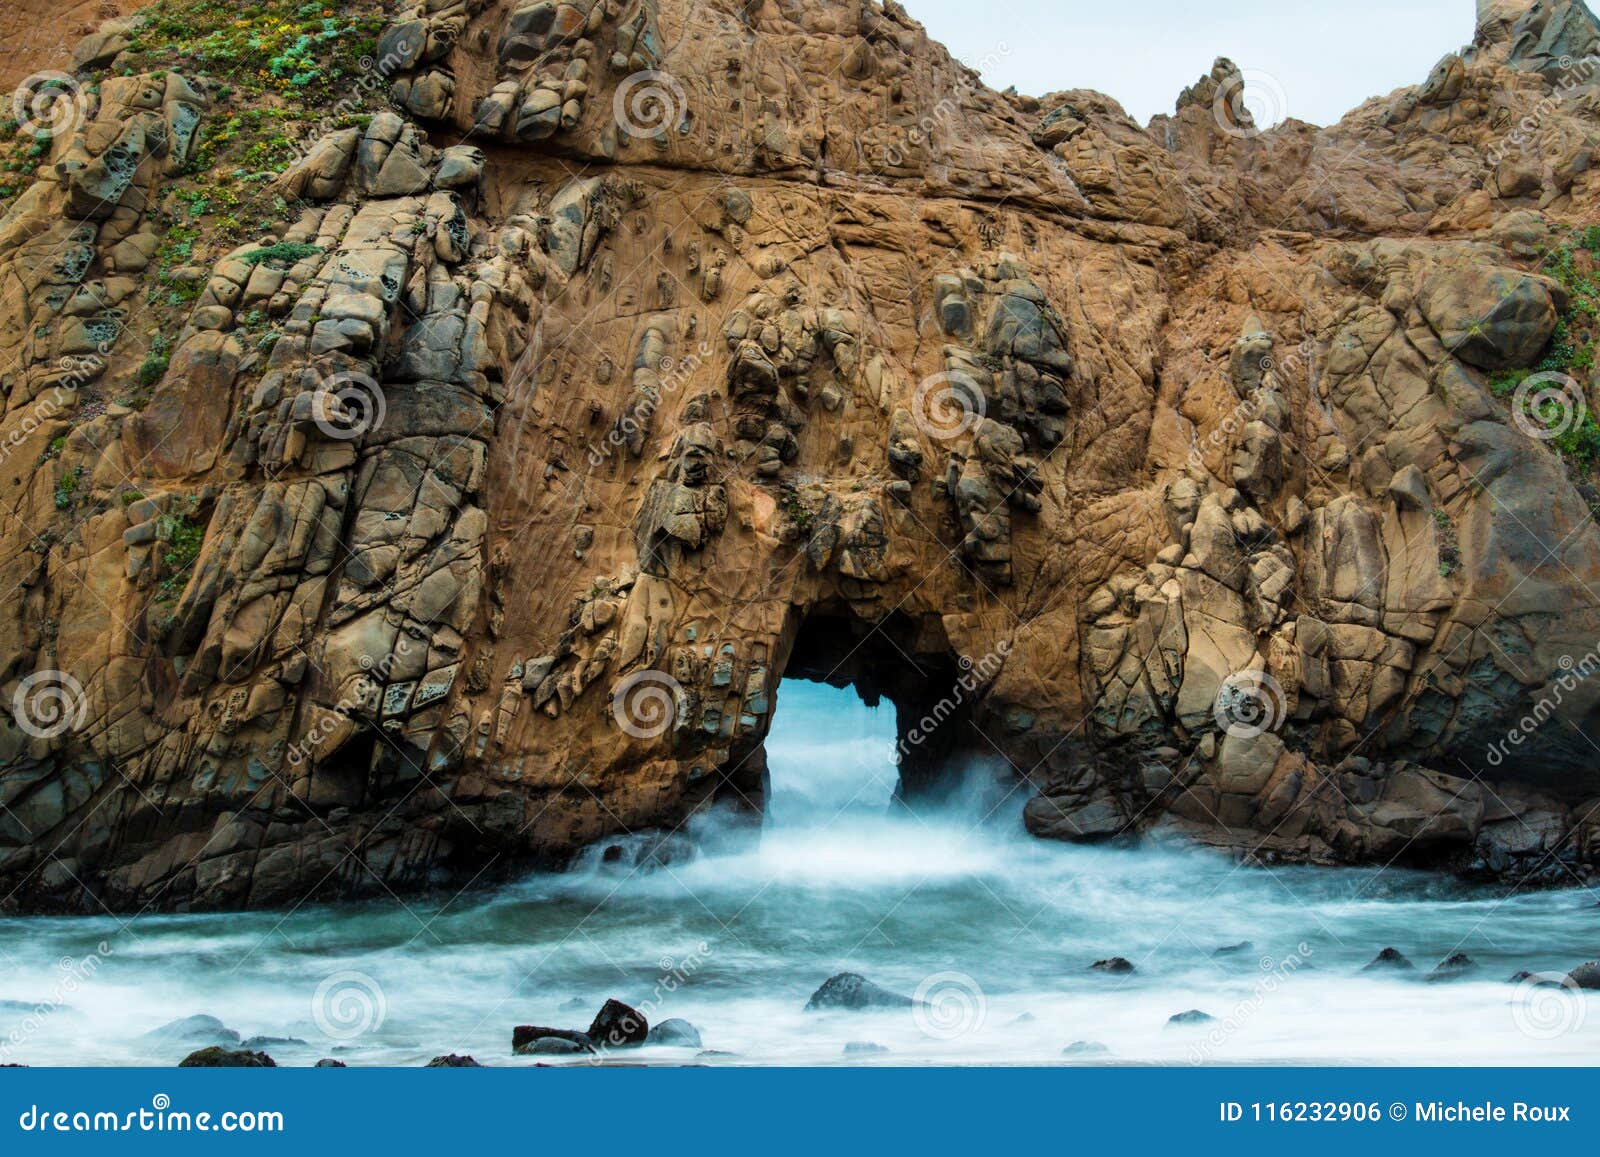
x=828 y=754
x=925 y=741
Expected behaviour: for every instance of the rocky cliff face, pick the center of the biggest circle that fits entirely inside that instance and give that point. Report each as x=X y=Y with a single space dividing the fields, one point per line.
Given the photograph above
x=433 y=430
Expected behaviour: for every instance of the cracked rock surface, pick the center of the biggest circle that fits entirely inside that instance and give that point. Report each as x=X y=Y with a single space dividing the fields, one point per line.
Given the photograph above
x=473 y=511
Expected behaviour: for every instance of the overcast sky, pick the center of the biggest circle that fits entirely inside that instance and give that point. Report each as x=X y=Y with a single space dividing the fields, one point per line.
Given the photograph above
x=1312 y=60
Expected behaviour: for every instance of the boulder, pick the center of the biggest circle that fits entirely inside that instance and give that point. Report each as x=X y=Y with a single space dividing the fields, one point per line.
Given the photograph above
x=524 y=1035
x=852 y=992
x=201 y=1028
x=1389 y=960
x=554 y=1046
x=452 y=1061
x=1456 y=966
x=1495 y=320
x=1586 y=975
x=1116 y=965
x=617 y=1025
x=217 y=1057
x=674 y=1031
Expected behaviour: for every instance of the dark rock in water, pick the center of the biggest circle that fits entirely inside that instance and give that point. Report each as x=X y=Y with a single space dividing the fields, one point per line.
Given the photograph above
x=674 y=1031
x=1454 y=967
x=330 y=1063
x=217 y=1057
x=1389 y=958
x=860 y=1048
x=715 y=1053
x=1539 y=979
x=554 y=1046
x=1239 y=949
x=1586 y=975
x=525 y=1034
x=1192 y=1016
x=618 y=1025
x=853 y=992
x=192 y=1030
x=264 y=1042
x=452 y=1061
x=1090 y=1048
x=1116 y=965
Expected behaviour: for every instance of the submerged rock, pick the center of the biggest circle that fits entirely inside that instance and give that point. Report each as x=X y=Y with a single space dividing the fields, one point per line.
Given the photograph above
x=524 y=1035
x=266 y=1042
x=1539 y=979
x=853 y=992
x=1116 y=965
x=618 y=1025
x=1192 y=1016
x=1240 y=949
x=861 y=1048
x=553 y=1046
x=195 y=1029
x=217 y=1057
x=1454 y=967
x=1089 y=1048
x=1586 y=975
x=1389 y=959
x=674 y=1031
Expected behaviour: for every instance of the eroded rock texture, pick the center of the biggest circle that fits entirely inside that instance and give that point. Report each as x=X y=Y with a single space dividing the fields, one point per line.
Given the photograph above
x=647 y=351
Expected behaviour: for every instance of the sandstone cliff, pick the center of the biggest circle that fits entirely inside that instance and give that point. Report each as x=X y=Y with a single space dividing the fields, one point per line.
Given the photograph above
x=432 y=430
